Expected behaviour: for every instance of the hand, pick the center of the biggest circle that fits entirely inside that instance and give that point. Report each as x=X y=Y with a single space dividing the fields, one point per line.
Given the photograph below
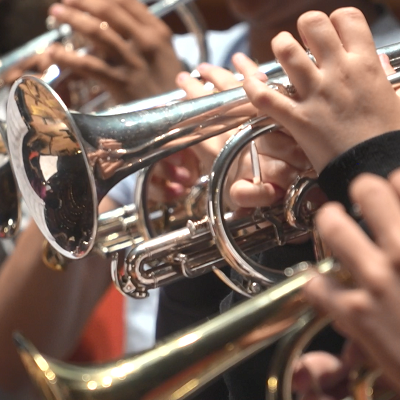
x=37 y=63
x=342 y=99
x=281 y=159
x=133 y=55
x=368 y=313
x=172 y=178
x=221 y=80
x=319 y=375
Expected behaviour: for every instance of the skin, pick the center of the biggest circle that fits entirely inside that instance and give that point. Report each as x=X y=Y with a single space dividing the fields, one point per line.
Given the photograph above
x=130 y=48
x=368 y=312
x=61 y=303
x=343 y=38
x=43 y=304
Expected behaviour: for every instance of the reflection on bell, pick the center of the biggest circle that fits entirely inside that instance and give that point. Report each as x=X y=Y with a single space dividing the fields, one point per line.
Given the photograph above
x=66 y=162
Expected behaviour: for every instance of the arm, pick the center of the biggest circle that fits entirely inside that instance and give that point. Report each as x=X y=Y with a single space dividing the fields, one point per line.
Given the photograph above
x=49 y=307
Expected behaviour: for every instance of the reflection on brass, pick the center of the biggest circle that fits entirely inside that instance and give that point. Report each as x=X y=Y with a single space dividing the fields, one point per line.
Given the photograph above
x=182 y=365
x=50 y=130
x=52 y=259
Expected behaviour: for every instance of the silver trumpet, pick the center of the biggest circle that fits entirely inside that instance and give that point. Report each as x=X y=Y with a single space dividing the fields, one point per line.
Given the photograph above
x=192 y=251
x=188 y=361
x=9 y=205
x=66 y=162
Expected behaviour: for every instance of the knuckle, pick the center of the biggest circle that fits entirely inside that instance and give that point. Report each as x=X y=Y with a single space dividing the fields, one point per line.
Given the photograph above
x=358 y=307
x=380 y=276
x=259 y=98
x=103 y=9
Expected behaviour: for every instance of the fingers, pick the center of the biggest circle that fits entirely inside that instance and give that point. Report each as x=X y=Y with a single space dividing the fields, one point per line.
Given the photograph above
x=353 y=30
x=267 y=100
x=318 y=371
x=245 y=194
x=342 y=235
x=295 y=61
x=281 y=161
x=220 y=77
x=174 y=176
x=320 y=37
x=387 y=67
x=87 y=66
x=394 y=179
x=379 y=204
x=107 y=39
x=246 y=66
x=192 y=86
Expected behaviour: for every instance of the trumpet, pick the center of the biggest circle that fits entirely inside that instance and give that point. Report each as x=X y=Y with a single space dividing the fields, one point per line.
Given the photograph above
x=191 y=251
x=66 y=162
x=186 y=362
x=63 y=33
x=51 y=148
x=9 y=204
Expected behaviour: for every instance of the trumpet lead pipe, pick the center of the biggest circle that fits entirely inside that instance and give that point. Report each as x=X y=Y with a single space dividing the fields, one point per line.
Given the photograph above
x=35 y=46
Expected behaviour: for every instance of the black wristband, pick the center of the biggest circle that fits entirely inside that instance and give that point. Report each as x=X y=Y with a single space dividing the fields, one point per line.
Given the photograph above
x=379 y=155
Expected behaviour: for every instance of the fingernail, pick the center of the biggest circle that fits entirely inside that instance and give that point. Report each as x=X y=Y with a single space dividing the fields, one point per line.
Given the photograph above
x=204 y=66
x=384 y=59
x=56 y=9
x=182 y=76
x=239 y=56
x=261 y=76
x=182 y=174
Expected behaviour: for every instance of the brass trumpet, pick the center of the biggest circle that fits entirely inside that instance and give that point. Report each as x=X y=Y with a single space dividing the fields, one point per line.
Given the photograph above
x=186 y=362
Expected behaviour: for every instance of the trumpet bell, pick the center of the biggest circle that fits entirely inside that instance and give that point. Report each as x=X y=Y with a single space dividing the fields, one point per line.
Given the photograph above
x=66 y=162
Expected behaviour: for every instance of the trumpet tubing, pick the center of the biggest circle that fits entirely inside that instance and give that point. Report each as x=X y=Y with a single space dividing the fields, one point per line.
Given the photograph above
x=191 y=251
x=187 y=362
x=66 y=162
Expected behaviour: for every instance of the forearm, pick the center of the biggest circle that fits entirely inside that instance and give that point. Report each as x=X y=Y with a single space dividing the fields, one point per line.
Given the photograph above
x=49 y=307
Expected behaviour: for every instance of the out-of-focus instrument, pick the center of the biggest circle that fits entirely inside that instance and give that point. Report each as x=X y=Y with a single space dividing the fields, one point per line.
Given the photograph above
x=63 y=33
x=183 y=365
